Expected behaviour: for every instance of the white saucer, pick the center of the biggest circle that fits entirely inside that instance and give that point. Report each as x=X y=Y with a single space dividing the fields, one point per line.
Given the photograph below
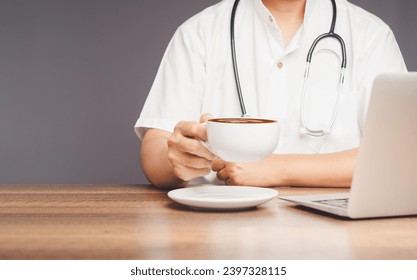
x=215 y=197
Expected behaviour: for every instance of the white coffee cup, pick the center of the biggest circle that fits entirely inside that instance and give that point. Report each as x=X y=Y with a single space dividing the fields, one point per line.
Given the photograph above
x=242 y=139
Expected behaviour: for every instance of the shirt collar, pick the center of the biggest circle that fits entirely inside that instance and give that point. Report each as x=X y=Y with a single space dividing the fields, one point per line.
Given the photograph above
x=266 y=16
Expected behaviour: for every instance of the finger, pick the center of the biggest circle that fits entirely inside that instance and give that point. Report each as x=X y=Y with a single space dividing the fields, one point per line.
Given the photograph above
x=192 y=130
x=193 y=147
x=188 y=160
x=218 y=164
x=204 y=117
x=188 y=173
x=222 y=175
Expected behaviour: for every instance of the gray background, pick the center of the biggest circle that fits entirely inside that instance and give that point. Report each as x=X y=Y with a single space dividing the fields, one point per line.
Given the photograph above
x=74 y=75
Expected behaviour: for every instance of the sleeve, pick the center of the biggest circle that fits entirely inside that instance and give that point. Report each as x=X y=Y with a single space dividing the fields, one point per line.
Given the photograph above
x=381 y=55
x=177 y=91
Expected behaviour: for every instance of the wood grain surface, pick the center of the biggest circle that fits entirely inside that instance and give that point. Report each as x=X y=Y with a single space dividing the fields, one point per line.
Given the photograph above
x=141 y=222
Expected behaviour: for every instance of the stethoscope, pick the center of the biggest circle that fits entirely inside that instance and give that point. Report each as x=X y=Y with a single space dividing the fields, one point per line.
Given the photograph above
x=304 y=126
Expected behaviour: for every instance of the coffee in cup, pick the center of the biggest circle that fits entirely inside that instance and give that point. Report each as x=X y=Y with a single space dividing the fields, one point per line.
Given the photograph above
x=242 y=139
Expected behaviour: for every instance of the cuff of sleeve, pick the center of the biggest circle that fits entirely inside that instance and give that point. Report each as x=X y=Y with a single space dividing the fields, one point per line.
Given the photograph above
x=143 y=124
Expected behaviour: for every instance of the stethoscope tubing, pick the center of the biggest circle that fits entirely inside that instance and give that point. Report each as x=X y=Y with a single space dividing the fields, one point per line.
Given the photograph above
x=234 y=60
x=331 y=34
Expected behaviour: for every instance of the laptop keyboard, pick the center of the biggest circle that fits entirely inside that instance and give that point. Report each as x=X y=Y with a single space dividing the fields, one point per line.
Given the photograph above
x=342 y=203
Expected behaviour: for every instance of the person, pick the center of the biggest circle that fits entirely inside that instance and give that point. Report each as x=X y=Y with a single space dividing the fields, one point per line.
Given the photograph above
x=195 y=82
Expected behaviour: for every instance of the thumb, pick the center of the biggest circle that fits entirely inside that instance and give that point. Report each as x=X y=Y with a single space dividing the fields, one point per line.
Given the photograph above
x=204 y=117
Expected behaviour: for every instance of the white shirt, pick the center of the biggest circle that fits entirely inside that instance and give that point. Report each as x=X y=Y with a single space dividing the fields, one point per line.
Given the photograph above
x=196 y=74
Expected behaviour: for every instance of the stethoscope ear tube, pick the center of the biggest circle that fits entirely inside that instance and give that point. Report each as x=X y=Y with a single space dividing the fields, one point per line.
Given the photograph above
x=304 y=129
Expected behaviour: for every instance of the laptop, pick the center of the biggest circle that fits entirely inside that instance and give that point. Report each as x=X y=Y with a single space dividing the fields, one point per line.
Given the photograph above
x=385 y=178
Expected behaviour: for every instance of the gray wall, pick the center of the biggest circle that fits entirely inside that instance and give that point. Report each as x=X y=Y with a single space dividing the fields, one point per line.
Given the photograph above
x=74 y=75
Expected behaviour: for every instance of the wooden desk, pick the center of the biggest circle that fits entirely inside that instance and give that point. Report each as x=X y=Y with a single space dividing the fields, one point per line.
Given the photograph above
x=141 y=222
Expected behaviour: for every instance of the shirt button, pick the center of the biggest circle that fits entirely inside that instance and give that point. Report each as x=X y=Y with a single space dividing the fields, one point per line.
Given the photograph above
x=271 y=19
x=280 y=65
